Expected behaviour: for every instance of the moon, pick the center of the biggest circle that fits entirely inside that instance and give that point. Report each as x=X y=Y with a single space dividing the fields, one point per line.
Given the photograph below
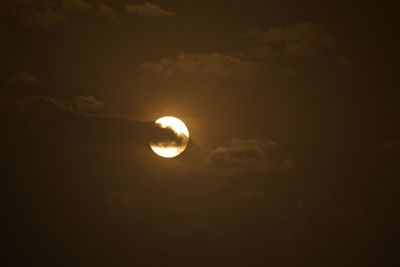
x=171 y=149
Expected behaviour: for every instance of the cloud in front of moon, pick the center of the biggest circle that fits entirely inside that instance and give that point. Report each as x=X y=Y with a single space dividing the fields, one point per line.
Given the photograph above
x=172 y=148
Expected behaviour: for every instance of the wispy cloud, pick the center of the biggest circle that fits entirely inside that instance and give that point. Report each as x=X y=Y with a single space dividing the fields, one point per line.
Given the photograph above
x=213 y=64
x=49 y=13
x=88 y=103
x=240 y=156
x=148 y=10
x=296 y=41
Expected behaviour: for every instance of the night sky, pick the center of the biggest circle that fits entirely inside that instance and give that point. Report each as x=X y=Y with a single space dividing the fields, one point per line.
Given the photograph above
x=294 y=119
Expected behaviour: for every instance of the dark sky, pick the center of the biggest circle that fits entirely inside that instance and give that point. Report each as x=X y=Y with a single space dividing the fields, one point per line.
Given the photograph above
x=293 y=111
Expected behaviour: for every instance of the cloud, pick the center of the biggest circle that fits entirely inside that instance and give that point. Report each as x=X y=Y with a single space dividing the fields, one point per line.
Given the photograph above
x=21 y=78
x=77 y=5
x=105 y=11
x=213 y=64
x=41 y=13
x=48 y=13
x=300 y=33
x=57 y=117
x=88 y=103
x=148 y=10
x=248 y=156
x=300 y=40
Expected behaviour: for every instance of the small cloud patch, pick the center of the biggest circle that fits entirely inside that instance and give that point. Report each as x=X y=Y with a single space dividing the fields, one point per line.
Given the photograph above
x=148 y=10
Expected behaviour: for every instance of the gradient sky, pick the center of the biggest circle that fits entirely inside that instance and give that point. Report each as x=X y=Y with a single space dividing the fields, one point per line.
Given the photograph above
x=292 y=108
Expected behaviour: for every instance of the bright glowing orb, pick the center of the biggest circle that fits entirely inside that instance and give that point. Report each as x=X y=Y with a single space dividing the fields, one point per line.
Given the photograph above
x=171 y=149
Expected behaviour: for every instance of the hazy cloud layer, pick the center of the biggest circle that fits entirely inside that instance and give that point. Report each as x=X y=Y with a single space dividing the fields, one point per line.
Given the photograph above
x=248 y=156
x=312 y=179
x=46 y=13
x=214 y=64
x=148 y=10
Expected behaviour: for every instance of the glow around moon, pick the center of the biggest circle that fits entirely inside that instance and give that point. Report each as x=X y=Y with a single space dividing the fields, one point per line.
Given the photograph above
x=171 y=149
